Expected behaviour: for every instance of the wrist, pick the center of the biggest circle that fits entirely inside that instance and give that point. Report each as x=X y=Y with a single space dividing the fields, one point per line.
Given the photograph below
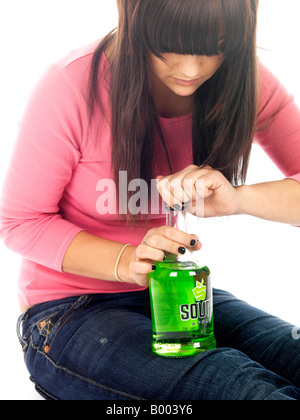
x=242 y=199
x=127 y=257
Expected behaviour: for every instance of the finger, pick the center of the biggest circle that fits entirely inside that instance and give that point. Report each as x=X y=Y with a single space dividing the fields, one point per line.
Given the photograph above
x=180 y=190
x=140 y=270
x=176 y=235
x=162 y=187
x=144 y=251
x=142 y=267
x=183 y=187
x=189 y=181
x=188 y=185
x=195 y=244
x=170 y=240
x=203 y=188
x=172 y=192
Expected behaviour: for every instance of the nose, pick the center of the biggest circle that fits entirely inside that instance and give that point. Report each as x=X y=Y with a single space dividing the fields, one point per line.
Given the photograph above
x=189 y=66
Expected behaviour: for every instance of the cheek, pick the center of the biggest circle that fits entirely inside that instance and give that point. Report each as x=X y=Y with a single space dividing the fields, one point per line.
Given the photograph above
x=160 y=68
x=215 y=63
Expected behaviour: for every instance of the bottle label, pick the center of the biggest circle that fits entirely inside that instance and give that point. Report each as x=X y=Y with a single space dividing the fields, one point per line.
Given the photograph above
x=200 y=291
x=200 y=310
x=182 y=309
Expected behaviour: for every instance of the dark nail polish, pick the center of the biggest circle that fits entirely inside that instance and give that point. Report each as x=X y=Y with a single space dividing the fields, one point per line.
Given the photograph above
x=181 y=250
x=193 y=242
x=153 y=267
x=177 y=207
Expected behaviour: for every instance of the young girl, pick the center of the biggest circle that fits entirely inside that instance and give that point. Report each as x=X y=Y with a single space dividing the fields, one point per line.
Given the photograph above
x=175 y=93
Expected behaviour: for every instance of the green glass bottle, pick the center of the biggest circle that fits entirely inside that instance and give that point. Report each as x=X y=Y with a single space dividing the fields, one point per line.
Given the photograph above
x=181 y=303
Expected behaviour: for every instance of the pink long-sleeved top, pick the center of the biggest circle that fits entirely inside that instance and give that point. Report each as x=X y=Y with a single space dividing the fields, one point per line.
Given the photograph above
x=51 y=192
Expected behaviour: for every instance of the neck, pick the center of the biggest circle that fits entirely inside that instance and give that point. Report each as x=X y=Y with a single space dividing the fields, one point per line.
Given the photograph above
x=171 y=108
x=168 y=104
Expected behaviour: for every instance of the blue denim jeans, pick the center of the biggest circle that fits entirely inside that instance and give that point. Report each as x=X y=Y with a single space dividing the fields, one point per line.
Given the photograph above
x=98 y=347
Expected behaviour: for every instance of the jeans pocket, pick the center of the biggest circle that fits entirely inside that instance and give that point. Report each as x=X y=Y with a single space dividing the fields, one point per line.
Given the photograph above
x=21 y=336
x=39 y=325
x=50 y=326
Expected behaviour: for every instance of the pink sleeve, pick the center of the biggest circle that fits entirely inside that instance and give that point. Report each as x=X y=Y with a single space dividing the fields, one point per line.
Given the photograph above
x=281 y=139
x=47 y=150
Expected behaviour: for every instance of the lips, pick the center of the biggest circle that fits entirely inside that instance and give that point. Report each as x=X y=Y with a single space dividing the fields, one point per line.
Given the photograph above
x=183 y=82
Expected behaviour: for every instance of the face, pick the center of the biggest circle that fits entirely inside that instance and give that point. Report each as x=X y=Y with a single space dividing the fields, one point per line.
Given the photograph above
x=184 y=74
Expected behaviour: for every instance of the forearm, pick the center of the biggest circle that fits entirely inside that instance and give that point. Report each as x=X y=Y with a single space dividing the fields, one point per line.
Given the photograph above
x=277 y=201
x=94 y=257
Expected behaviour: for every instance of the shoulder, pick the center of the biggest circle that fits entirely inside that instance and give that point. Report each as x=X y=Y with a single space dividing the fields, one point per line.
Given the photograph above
x=69 y=74
x=273 y=96
x=77 y=57
x=75 y=67
x=269 y=84
x=63 y=84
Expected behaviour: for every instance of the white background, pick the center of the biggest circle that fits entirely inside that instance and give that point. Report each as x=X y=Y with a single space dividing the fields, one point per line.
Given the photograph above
x=254 y=259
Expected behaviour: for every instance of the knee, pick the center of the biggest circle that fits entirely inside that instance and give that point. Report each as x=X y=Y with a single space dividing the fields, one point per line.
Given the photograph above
x=228 y=374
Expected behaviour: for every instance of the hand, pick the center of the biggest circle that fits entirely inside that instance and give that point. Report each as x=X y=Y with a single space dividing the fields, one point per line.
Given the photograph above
x=206 y=191
x=156 y=243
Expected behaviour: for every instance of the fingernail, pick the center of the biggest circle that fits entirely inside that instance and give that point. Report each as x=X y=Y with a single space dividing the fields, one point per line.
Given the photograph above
x=153 y=267
x=193 y=242
x=181 y=250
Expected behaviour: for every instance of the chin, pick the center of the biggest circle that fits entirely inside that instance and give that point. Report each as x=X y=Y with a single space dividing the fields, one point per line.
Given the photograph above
x=185 y=91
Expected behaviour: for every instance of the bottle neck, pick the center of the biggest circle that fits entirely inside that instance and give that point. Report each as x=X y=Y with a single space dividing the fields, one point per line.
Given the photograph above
x=178 y=220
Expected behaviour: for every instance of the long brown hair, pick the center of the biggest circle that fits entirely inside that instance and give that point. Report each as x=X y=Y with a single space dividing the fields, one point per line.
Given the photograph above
x=225 y=110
